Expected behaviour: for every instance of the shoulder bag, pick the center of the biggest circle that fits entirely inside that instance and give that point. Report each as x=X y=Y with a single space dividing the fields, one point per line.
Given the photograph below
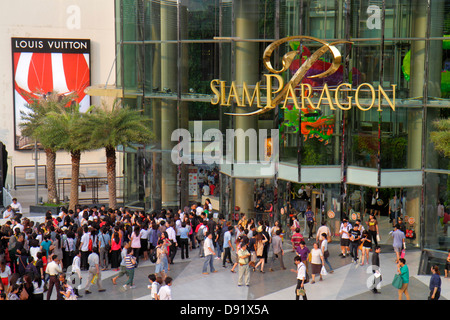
x=397 y=282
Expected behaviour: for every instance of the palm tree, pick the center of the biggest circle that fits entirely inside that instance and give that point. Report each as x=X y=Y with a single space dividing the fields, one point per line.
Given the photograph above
x=31 y=122
x=64 y=127
x=111 y=127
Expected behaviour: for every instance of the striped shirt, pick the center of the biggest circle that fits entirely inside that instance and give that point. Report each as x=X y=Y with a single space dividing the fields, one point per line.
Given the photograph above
x=129 y=261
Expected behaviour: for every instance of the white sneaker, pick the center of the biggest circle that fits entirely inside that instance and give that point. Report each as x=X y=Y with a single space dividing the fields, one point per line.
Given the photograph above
x=132 y=287
x=124 y=286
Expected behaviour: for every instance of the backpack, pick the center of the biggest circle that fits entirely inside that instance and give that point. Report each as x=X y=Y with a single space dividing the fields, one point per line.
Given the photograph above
x=153 y=256
x=200 y=234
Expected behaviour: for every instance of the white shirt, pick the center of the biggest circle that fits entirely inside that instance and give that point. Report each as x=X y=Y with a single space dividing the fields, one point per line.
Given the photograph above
x=208 y=244
x=76 y=265
x=7 y=214
x=20 y=226
x=93 y=260
x=323 y=229
x=155 y=288
x=34 y=251
x=171 y=234
x=85 y=241
x=38 y=289
x=16 y=206
x=345 y=235
x=315 y=256
x=165 y=293
x=144 y=233
x=6 y=273
x=206 y=191
x=53 y=268
x=301 y=271
x=178 y=225
x=324 y=245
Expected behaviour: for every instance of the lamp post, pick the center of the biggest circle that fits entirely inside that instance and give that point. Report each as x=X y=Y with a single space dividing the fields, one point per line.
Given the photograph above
x=36 y=172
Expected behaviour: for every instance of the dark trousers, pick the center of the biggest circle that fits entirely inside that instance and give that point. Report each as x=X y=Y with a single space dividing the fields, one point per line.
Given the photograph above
x=310 y=226
x=436 y=296
x=373 y=235
x=84 y=260
x=354 y=249
x=172 y=252
x=54 y=281
x=227 y=255
x=184 y=247
x=297 y=296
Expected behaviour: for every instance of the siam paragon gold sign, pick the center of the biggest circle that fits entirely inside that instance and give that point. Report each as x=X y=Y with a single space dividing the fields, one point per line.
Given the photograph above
x=285 y=93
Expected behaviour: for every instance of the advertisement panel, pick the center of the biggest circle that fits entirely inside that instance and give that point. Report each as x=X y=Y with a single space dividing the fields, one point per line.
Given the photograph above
x=41 y=66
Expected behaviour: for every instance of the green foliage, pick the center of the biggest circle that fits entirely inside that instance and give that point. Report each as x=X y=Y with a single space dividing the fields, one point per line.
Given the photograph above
x=118 y=126
x=63 y=128
x=441 y=137
x=33 y=121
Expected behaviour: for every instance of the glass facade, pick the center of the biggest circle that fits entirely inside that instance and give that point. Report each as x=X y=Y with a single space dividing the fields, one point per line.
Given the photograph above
x=169 y=51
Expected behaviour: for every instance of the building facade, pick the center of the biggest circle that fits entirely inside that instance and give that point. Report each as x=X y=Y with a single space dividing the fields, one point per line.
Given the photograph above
x=36 y=24
x=200 y=65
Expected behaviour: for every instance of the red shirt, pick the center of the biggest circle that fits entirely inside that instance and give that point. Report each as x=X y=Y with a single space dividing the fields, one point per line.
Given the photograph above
x=296 y=239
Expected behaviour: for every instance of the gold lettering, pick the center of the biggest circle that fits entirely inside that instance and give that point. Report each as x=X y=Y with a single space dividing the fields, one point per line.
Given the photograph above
x=214 y=89
x=372 y=90
x=246 y=95
x=222 y=93
x=336 y=97
x=290 y=94
x=330 y=101
x=382 y=92
x=233 y=93
x=269 y=88
x=310 y=91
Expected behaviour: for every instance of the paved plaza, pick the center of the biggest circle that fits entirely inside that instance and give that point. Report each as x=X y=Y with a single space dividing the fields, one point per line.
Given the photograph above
x=348 y=282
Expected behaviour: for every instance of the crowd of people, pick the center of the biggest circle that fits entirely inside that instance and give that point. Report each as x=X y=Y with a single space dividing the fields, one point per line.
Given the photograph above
x=36 y=258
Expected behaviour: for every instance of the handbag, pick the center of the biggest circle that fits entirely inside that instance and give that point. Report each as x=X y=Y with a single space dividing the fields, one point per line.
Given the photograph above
x=323 y=271
x=402 y=255
x=397 y=282
x=301 y=292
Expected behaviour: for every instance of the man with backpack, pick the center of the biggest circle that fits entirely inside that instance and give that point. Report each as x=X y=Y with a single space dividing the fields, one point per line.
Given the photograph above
x=200 y=235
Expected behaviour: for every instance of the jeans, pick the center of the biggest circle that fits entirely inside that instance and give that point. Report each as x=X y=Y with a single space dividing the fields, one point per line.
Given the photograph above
x=209 y=260
x=219 y=250
x=328 y=263
x=354 y=249
x=201 y=251
x=163 y=266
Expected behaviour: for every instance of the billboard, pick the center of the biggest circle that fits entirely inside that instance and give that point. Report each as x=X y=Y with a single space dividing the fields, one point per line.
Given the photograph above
x=41 y=66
